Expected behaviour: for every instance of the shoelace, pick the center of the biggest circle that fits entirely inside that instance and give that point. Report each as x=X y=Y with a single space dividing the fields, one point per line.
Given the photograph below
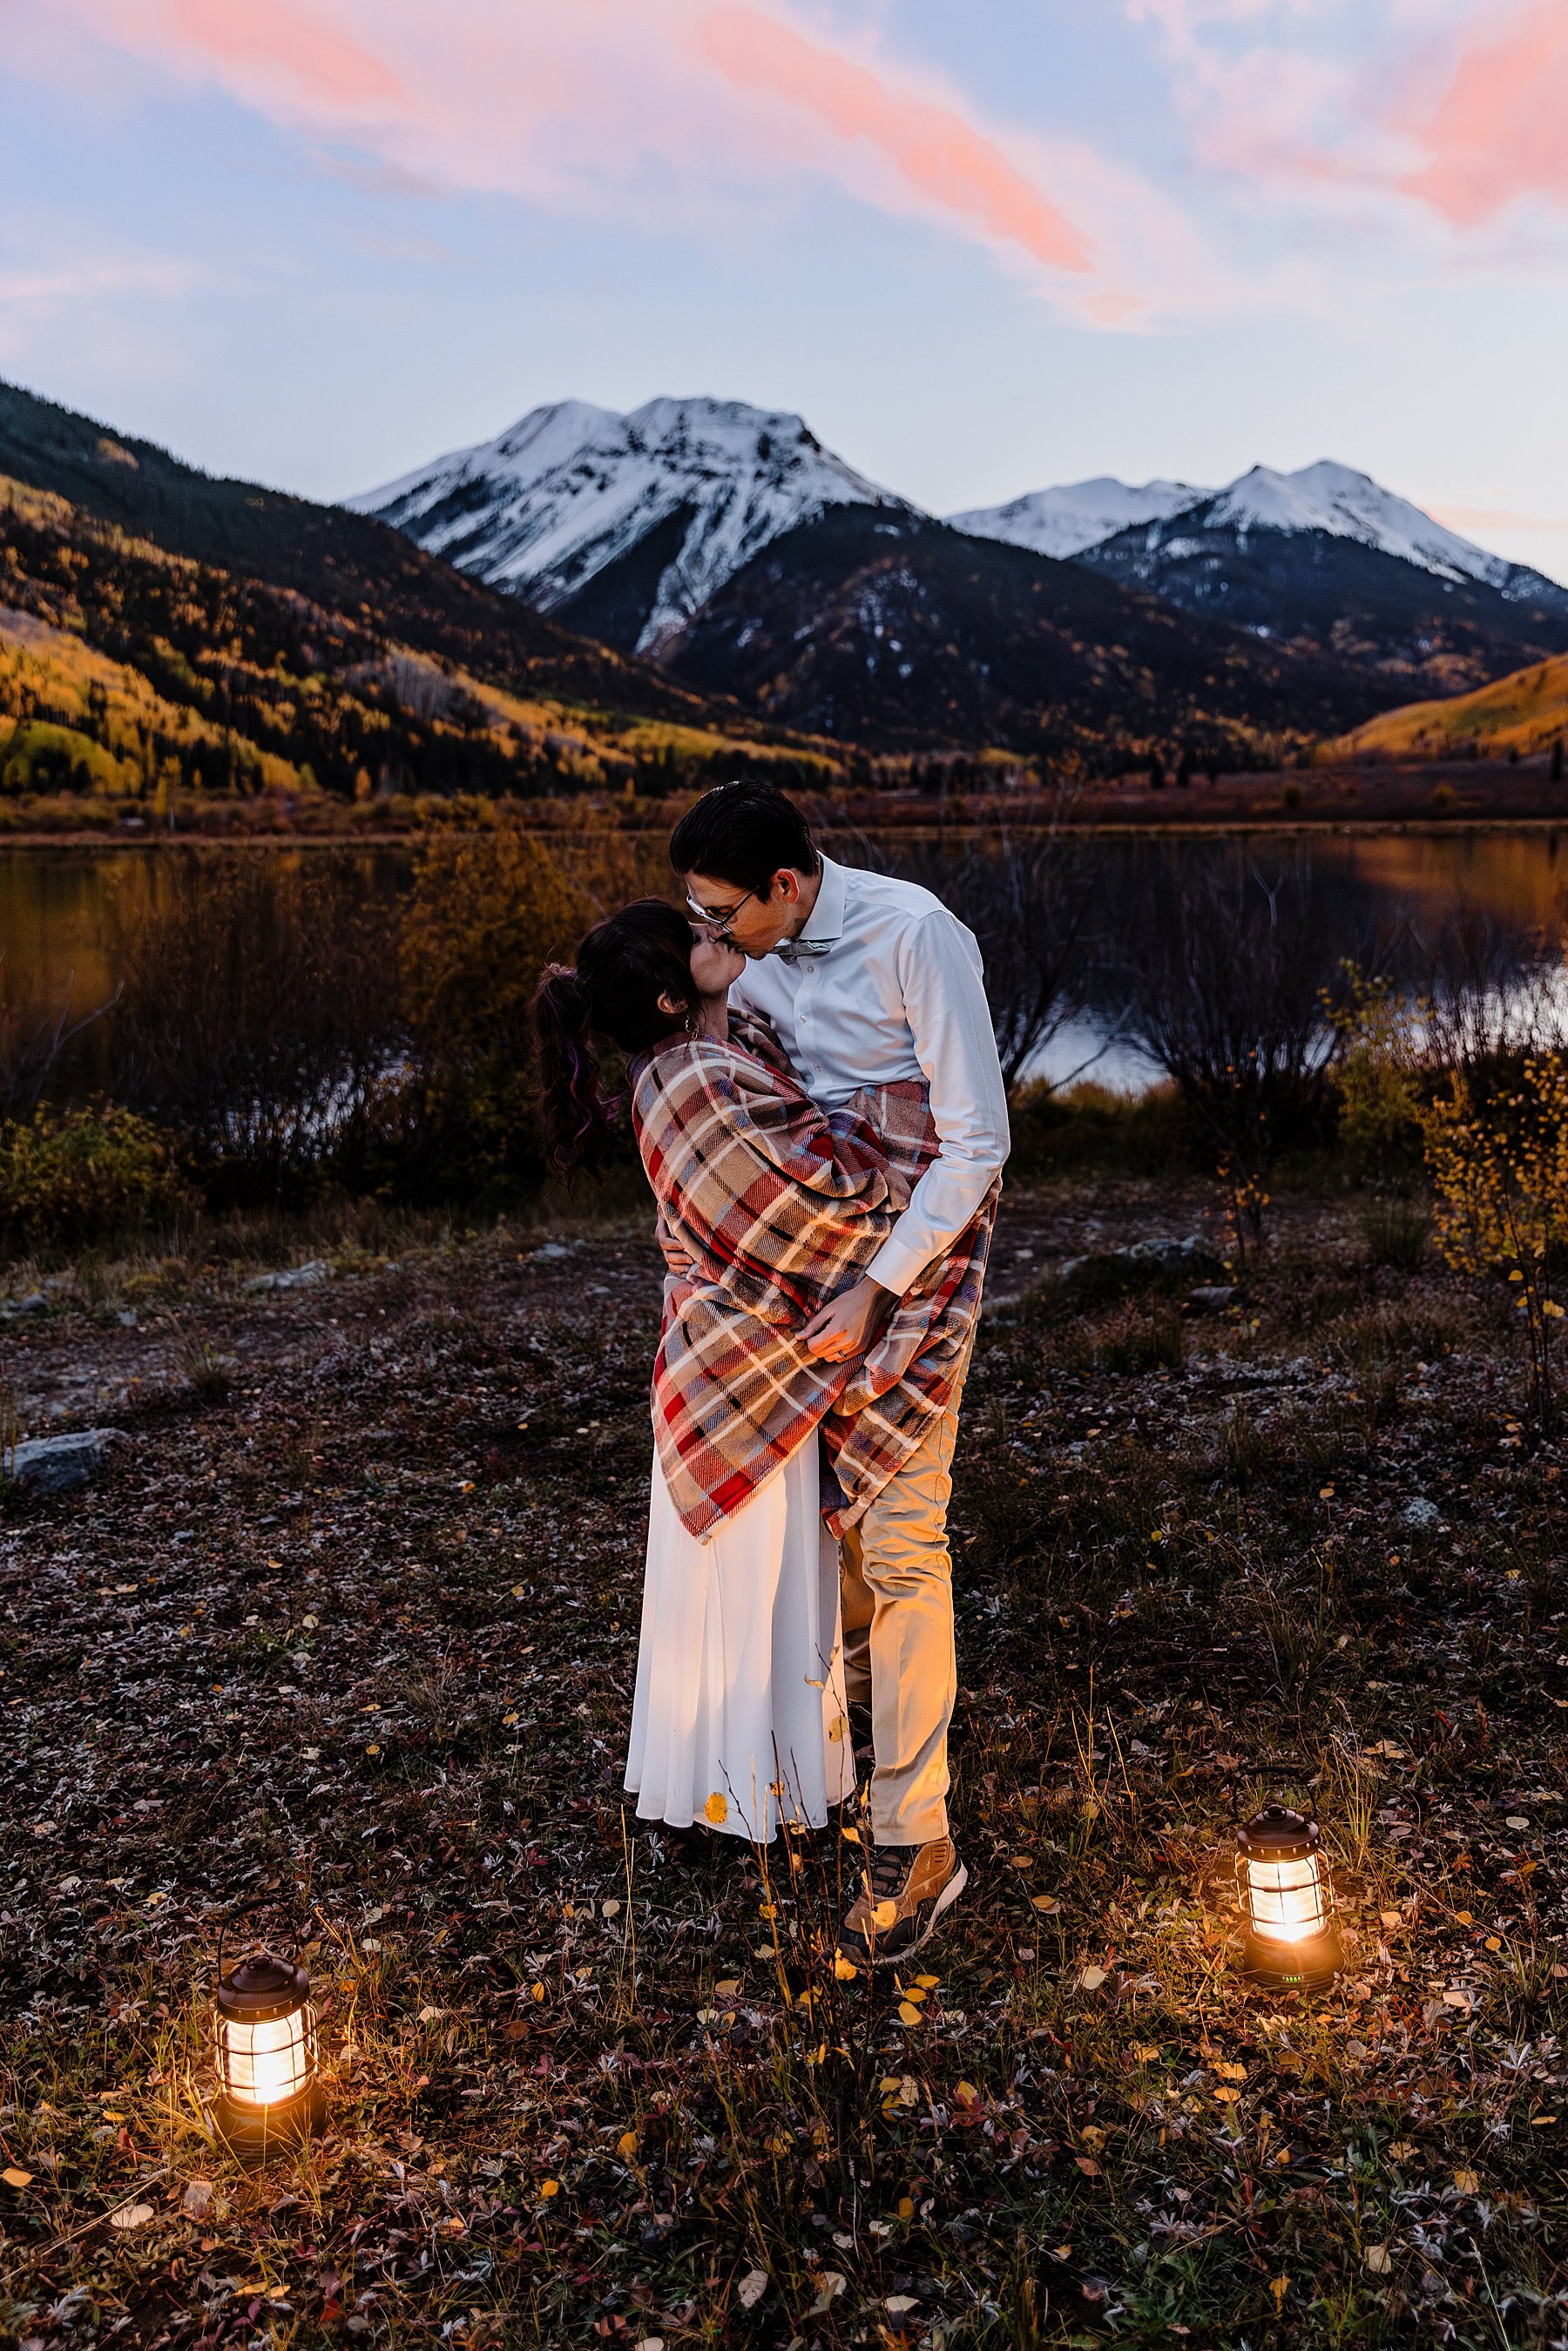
x=886 y=1873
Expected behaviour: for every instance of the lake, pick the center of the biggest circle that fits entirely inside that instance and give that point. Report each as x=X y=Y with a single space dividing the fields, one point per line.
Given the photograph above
x=63 y=910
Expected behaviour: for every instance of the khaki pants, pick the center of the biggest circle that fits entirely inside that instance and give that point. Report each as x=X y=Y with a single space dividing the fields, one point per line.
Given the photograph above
x=896 y=1579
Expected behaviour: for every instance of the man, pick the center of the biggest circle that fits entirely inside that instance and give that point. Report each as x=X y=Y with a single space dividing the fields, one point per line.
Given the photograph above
x=873 y=981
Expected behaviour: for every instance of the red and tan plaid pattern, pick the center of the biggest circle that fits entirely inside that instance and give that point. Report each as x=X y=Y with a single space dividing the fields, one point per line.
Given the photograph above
x=767 y=1209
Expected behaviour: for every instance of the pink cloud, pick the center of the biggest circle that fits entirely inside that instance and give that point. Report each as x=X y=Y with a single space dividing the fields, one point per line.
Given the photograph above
x=943 y=159
x=241 y=32
x=579 y=103
x=1470 y=518
x=1500 y=130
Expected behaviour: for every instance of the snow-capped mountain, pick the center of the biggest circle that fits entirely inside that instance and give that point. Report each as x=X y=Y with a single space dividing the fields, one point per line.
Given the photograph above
x=1326 y=559
x=1347 y=505
x=1064 y=521
x=1335 y=500
x=622 y=526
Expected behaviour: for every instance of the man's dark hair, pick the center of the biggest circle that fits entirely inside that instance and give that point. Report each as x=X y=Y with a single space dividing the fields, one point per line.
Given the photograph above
x=742 y=833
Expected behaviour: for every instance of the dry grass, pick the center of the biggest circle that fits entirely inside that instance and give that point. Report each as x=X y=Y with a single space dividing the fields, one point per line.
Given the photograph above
x=356 y=1637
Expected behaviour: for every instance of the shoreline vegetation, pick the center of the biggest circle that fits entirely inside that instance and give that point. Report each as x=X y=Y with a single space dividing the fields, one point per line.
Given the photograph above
x=1371 y=794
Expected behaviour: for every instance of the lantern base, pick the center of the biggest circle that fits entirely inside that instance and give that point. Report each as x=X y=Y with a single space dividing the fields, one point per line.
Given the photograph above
x=1285 y=1967
x=256 y=2134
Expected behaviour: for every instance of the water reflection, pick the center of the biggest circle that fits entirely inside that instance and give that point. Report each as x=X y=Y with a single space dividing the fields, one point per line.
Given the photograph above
x=1370 y=896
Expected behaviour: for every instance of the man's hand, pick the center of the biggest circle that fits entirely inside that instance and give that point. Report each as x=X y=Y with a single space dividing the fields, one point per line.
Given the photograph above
x=847 y=1326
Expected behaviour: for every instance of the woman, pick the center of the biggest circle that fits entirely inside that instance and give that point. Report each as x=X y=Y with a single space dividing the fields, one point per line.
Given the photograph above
x=767 y=1208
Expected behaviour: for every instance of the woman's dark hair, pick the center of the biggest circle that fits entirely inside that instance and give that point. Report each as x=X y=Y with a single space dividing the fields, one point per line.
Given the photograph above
x=742 y=833
x=623 y=966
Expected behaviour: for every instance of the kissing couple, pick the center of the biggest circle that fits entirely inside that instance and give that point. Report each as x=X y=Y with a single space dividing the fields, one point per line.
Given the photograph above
x=817 y=1101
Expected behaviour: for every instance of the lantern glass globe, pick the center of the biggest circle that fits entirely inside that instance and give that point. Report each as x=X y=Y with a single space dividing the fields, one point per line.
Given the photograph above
x=1287 y=1900
x=265 y=2048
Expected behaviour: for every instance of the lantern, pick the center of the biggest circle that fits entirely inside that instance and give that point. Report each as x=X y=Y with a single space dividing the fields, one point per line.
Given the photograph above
x=266 y=2051
x=1287 y=1900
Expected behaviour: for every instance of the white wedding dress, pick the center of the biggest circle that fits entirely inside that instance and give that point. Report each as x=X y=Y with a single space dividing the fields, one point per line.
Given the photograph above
x=739 y=1718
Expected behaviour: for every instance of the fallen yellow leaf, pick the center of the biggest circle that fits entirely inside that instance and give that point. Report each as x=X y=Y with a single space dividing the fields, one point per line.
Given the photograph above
x=1467 y=2183
x=1045 y=1901
x=717 y=1809
x=907 y=2012
x=16 y=2177
x=550 y=2187
x=844 y=1969
x=626 y=2147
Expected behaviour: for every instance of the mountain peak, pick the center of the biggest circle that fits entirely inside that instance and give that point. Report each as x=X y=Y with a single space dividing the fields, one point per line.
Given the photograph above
x=1340 y=500
x=1063 y=521
x=635 y=519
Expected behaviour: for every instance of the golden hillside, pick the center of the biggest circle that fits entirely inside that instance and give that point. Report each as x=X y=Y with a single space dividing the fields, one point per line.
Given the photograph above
x=1525 y=712
x=130 y=674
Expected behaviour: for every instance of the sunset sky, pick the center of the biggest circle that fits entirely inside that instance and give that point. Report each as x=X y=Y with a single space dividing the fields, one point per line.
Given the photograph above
x=981 y=248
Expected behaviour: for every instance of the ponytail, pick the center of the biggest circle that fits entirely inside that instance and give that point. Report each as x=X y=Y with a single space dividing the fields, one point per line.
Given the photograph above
x=625 y=965
x=578 y=1122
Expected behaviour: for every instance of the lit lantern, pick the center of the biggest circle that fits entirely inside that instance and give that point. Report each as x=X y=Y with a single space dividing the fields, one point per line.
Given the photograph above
x=1287 y=1900
x=266 y=2051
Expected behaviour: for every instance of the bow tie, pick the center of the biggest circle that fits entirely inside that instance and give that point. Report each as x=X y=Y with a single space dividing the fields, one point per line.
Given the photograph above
x=792 y=950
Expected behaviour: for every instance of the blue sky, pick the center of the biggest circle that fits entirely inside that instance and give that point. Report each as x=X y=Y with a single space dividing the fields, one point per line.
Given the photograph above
x=981 y=250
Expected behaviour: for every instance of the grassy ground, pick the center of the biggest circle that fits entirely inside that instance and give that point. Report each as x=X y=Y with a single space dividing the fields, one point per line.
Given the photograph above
x=350 y=1628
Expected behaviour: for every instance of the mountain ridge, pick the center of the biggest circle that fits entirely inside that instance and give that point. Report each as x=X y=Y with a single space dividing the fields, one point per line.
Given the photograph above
x=344 y=561
x=571 y=492
x=1335 y=500
x=905 y=633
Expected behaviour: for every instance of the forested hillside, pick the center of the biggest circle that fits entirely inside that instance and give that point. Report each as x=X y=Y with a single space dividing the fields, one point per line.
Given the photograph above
x=130 y=671
x=900 y=632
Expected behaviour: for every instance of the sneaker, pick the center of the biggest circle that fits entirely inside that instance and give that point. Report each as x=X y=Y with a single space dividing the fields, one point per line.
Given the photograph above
x=903 y=1894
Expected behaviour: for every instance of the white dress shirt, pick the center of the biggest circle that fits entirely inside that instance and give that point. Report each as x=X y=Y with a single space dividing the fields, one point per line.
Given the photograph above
x=884 y=985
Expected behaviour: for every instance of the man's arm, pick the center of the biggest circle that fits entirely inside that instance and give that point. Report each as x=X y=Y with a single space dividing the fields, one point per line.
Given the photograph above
x=955 y=1045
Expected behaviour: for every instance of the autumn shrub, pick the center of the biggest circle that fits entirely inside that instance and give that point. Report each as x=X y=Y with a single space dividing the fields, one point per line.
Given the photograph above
x=1499 y=1169
x=486 y=910
x=73 y=1175
x=1376 y=1077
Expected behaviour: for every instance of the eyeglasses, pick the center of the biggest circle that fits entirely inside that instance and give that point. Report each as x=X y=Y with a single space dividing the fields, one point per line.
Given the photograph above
x=720 y=916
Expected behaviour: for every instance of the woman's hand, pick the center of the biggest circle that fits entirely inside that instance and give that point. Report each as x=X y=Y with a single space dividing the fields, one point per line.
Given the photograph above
x=846 y=1326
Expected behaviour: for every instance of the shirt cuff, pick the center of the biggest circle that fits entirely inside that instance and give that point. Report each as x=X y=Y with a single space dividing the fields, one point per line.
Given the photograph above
x=899 y=1263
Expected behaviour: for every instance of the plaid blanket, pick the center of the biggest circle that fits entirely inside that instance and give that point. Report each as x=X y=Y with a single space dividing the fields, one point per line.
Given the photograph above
x=768 y=1207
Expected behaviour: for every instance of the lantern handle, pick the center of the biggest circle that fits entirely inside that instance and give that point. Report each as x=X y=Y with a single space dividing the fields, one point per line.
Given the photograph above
x=1310 y=1811
x=237 y=1910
